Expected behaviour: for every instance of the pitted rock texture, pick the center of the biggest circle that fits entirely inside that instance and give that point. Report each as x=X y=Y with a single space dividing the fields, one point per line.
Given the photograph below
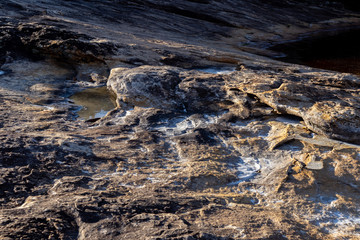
x=325 y=109
x=268 y=151
x=313 y=96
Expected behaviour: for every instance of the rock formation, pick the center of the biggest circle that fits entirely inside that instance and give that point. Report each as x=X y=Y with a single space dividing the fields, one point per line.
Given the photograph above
x=211 y=137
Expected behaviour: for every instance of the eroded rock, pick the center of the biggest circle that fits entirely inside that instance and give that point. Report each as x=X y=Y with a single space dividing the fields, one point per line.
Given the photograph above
x=146 y=86
x=265 y=152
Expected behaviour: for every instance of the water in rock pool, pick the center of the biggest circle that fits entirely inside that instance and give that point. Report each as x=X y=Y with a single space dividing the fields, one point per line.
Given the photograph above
x=95 y=102
x=335 y=50
x=217 y=70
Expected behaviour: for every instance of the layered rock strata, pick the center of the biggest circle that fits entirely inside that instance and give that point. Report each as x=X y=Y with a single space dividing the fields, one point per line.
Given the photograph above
x=268 y=150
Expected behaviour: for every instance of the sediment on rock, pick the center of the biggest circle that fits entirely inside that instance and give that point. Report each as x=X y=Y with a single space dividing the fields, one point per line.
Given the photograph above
x=208 y=139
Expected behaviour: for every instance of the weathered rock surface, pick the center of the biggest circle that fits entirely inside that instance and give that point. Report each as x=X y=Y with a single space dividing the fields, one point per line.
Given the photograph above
x=267 y=151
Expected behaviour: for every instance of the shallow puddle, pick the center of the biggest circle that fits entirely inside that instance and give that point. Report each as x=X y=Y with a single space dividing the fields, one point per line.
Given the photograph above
x=336 y=51
x=217 y=70
x=95 y=102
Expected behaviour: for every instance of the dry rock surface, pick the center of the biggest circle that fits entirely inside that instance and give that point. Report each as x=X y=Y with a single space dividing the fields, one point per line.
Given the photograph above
x=210 y=137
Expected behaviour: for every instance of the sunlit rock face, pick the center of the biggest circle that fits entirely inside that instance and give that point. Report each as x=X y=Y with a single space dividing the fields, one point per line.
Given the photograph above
x=313 y=96
x=147 y=86
x=208 y=138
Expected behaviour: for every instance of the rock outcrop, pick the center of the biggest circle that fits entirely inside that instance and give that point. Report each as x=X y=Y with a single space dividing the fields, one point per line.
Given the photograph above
x=210 y=138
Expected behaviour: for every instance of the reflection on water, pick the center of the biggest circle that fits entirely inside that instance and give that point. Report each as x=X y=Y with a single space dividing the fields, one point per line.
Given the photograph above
x=95 y=102
x=337 y=51
x=217 y=70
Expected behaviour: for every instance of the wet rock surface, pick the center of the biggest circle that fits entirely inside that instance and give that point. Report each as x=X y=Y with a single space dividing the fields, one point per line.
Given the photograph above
x=268 y=151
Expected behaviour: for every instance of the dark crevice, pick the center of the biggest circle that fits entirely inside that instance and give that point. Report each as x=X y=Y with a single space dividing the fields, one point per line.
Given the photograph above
x=292 y=117
x=292 y=145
